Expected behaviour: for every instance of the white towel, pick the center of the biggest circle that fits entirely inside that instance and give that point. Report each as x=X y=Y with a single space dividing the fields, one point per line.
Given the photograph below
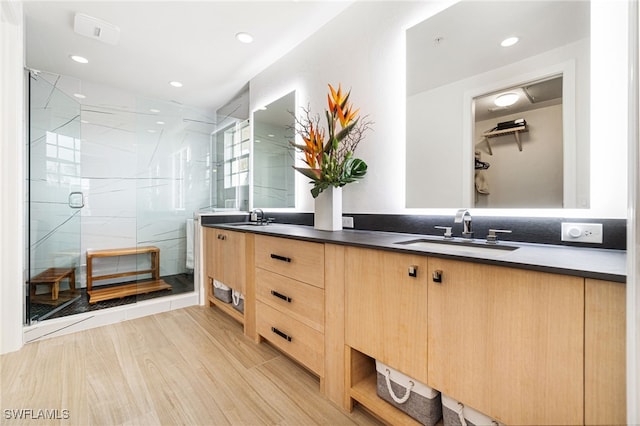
x=482 y=185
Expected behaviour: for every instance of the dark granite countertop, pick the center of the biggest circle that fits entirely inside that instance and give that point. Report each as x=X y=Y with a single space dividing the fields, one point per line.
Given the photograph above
x=603 y=264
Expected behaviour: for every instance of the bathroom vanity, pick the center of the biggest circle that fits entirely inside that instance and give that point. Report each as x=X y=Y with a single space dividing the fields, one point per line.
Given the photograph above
x=528 y=335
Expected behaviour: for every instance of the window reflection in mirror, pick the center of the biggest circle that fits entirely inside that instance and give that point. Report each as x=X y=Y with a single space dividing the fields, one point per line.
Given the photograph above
x=230 y=166
x=273 y=159
x=518 y=146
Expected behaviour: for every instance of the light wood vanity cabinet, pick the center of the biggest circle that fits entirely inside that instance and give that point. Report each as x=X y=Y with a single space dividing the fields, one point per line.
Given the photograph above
x=508 y=342
x=289 y=279
x=386 y=308
x=225 y=260
x=605 y=373
x=230 y=259
x=521 y=346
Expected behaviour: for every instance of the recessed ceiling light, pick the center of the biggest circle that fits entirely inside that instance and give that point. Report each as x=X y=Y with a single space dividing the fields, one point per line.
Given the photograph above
x=151 y=130
x=79 y=95
x=154 y=110
x=271 y=135
x=79 y=59
x=510 y=41
x=175 y=83
x=506 y=99
x=244 y=37
x=160 y=122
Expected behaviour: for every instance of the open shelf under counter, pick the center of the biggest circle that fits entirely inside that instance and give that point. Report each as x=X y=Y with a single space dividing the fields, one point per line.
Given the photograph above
x=364 y=390
x=227 y=308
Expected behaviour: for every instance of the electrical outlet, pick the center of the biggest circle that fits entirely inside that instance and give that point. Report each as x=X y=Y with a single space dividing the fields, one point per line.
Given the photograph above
x=347 y=222
x=582 y=232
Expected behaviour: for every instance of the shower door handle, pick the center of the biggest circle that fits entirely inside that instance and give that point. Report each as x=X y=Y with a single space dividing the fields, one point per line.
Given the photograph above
x=76 y=200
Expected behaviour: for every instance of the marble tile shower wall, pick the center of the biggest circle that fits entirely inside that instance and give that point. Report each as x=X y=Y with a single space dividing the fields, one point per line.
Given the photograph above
x=144 y=171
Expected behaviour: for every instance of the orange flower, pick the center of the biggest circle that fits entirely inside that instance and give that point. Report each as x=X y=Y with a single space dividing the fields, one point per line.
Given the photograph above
x=336 y=98
x=346 y=115
x=314 y=145
x=339 y=106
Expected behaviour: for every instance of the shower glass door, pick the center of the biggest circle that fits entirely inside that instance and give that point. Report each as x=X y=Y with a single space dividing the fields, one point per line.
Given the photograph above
x=55 y=199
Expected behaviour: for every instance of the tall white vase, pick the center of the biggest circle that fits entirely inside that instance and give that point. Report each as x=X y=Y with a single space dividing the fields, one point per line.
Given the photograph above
x=328 y=210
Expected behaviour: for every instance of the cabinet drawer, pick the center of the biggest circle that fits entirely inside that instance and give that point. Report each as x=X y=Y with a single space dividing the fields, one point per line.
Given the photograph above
x=299 y=341
x=301 y=301
x=300 y=260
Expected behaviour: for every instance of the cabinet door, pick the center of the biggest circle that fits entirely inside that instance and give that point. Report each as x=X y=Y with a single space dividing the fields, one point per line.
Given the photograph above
x=209 y=244
x=508 y=342
x=605 y=377
x=230 y=260
x=386 y=308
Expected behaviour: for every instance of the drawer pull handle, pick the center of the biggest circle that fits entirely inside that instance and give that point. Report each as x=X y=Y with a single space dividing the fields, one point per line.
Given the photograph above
x=281 y=296
x=437 y=276
x=281 y=334
x=278 y=257
x=221 y=237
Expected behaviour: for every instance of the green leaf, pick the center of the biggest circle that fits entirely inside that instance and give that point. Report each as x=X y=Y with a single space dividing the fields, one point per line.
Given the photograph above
x=354 y=168
x=301 y=147
x=344 y=132
x=312 y=174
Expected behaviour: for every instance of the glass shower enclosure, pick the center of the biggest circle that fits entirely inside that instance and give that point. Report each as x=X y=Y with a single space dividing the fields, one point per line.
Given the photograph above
x=54 y=191
x=117 y=176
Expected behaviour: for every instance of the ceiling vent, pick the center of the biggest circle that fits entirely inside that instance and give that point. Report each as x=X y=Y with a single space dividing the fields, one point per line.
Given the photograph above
x=542 y=91
x=96 y=29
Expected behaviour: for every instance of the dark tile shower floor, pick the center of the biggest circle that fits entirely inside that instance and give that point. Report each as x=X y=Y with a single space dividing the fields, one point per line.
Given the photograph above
x=180 y=283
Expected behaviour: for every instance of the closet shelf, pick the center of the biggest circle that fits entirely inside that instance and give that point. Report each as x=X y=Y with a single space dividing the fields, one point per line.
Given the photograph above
x=515 y=131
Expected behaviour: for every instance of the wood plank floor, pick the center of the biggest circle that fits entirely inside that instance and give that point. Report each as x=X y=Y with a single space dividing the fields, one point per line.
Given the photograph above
x=191 y=366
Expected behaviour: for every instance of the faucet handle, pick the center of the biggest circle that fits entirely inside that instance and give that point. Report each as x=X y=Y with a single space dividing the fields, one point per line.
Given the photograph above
x=447 y=231
x=492 y=238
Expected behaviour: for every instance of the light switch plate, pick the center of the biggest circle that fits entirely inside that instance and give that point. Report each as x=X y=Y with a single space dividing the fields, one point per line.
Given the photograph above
x=582 y=232
x=347 y=222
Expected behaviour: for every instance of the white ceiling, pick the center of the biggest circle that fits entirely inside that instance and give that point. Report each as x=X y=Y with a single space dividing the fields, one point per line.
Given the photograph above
x=160 y=41
x=463 y=40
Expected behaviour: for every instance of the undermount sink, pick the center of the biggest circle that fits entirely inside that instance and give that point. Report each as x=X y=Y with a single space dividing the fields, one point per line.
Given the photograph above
x=459 y=246
x=247 y=224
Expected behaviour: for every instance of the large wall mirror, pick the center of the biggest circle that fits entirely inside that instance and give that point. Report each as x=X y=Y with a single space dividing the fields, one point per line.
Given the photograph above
x=273 y=158
x=467 y=148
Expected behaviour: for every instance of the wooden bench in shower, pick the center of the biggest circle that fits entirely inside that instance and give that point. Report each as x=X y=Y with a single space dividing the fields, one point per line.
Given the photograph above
x=126 y=289
x=52 y=278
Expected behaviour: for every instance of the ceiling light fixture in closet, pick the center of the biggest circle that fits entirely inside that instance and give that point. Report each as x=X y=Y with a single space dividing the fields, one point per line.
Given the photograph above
x=506 y=99
x=510 y=41
x=79 y=59
x=244 y=37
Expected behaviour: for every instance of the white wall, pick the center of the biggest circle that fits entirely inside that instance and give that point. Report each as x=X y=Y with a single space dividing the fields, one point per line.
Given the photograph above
x=364 y=49
x=633 y=230
x=531 y=178
x=11 y=174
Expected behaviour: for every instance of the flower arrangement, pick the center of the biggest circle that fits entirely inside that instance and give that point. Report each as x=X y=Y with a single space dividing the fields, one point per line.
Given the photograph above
x=331 y=160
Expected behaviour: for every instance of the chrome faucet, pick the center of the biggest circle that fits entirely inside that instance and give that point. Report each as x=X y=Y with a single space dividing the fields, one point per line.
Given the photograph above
x=463 y=216
x=257 y=215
